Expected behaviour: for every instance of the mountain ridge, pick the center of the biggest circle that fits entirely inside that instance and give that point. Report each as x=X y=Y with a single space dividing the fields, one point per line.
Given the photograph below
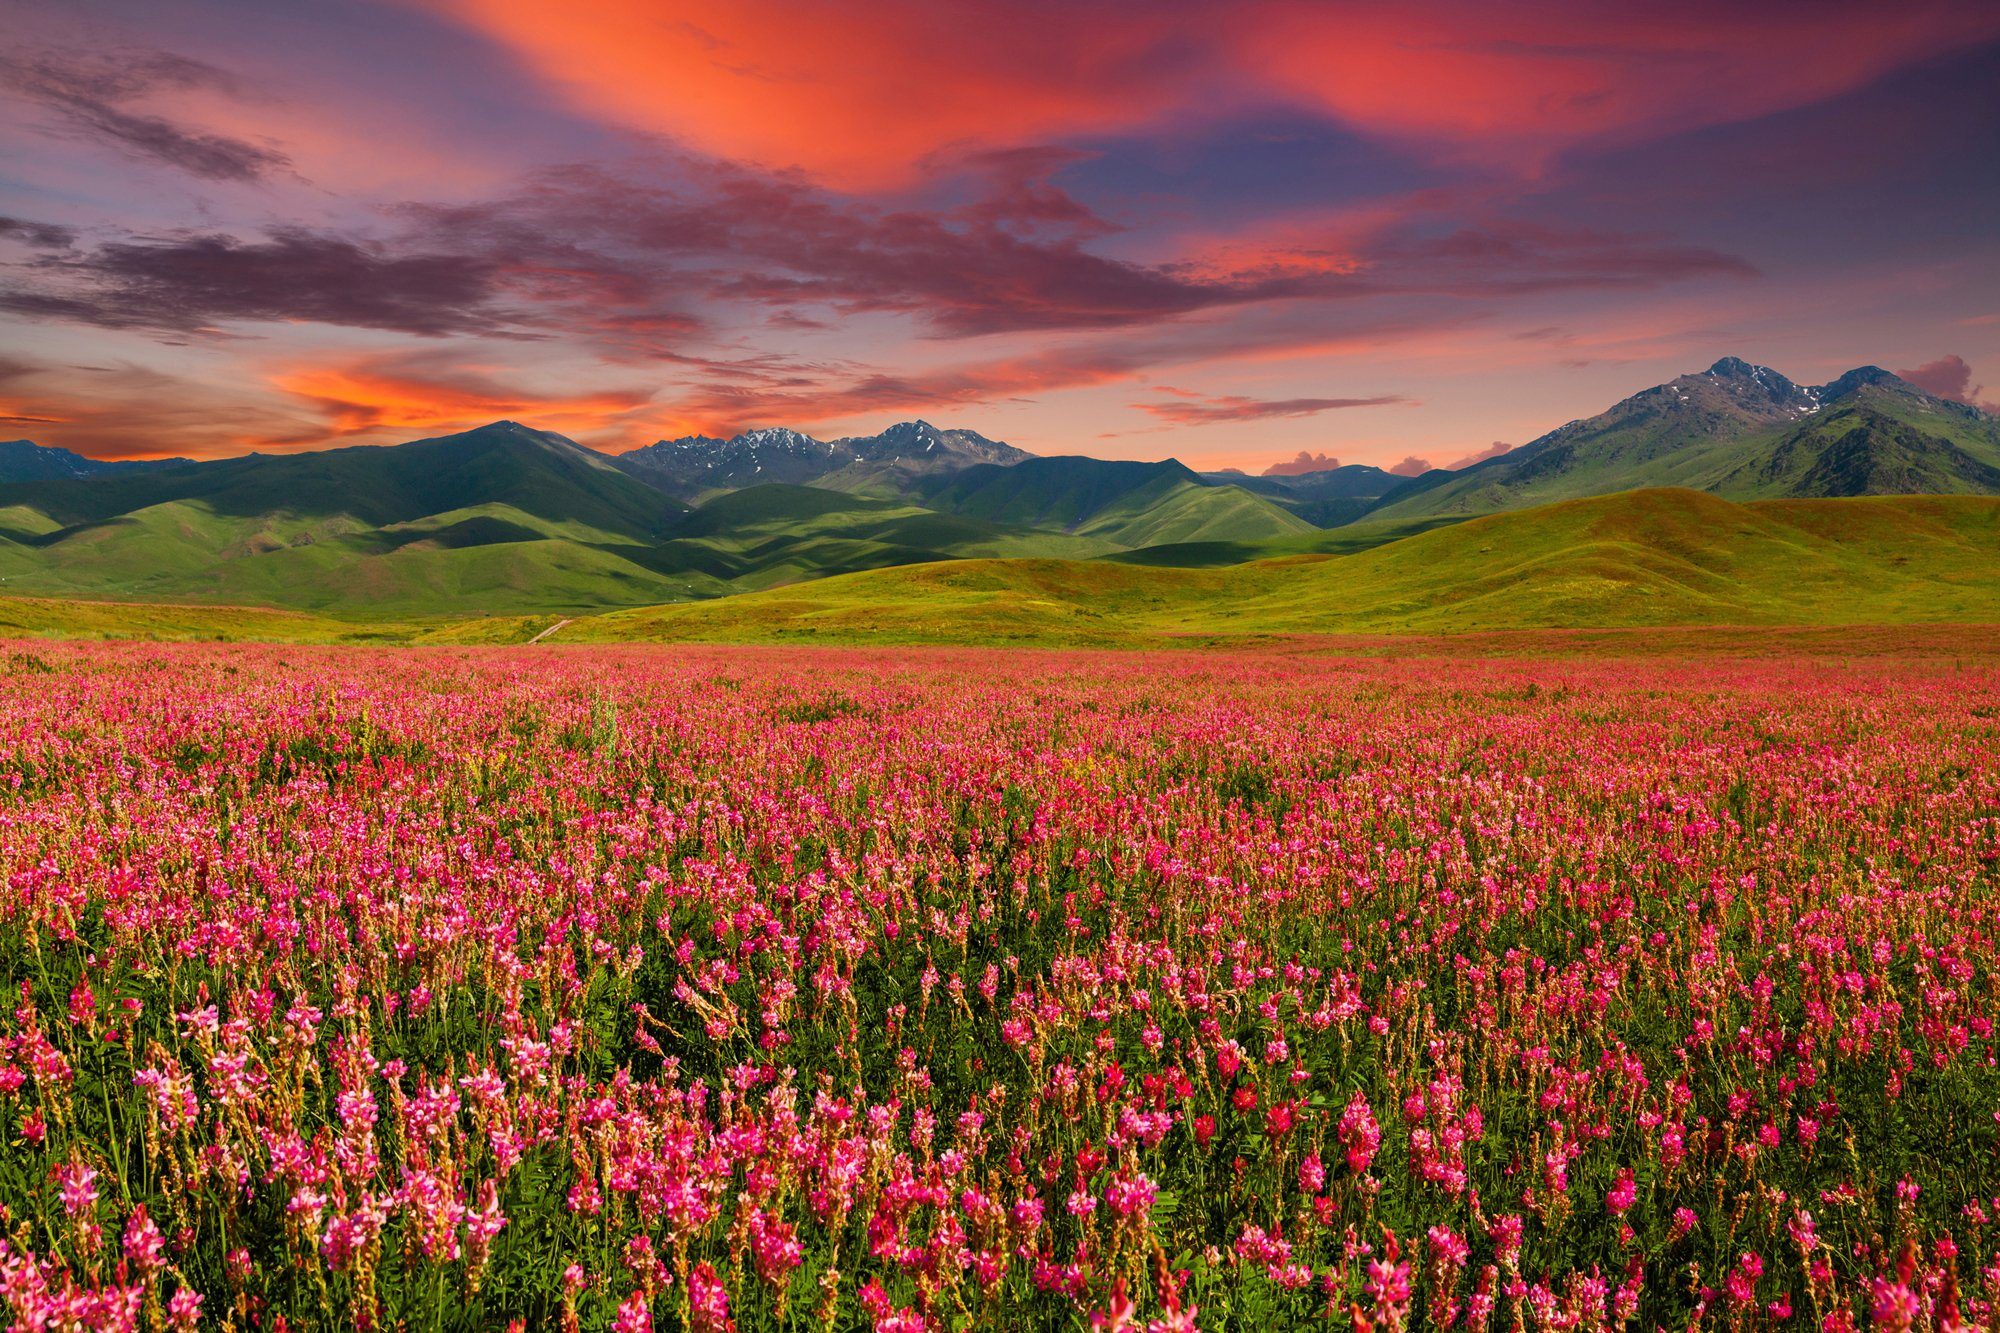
x=695 y=466
x=24 y=460
x=1737 y=430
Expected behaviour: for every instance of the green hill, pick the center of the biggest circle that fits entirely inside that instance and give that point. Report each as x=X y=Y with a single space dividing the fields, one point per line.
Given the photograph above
x=1343 y=540
x=1124 y=504
x=538 y=473
x=506 y=520
x=1327 y=498
x=1660 y=557
x=500 y=518
x=764 y=536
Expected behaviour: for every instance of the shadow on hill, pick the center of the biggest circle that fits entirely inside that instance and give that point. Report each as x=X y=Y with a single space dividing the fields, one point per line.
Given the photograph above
x=543 y=476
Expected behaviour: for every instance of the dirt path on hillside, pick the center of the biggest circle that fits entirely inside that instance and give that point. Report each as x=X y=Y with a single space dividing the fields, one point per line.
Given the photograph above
x=550 y=630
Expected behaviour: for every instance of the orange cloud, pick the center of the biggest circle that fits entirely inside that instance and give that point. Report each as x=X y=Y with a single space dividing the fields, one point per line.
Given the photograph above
x=1540 y=77
x=854 y=94
x=123 y=410
x=859 y=95
x=399 y=395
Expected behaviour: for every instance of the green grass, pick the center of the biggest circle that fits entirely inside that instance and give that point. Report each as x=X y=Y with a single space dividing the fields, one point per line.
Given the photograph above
x=1331 y=541
x=492 y=557
x=42 y=617
x=1646 y=558
x=1659 y=558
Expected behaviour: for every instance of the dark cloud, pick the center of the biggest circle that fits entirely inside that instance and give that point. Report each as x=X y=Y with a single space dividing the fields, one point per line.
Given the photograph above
x=40 y=235
x=1512 y=257
x=192 y=282
x=802 y=395
x=1206 y=410
x=1015 y=256
x=91 y=95
x=1303 y=464
x=618 y=259
x=1011 y=260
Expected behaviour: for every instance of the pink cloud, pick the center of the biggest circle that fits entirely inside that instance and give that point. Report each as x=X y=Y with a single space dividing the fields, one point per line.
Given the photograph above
x=1209 y=410
x=1411 y=466
x=1304 y=463
x=1949 y=377
x=1493 y=450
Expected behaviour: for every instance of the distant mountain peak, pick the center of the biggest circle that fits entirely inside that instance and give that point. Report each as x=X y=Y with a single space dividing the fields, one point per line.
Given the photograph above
x=1862 y=376
x=778 y=435
x=1755 y=385
x=24 y=460
x=698 y=465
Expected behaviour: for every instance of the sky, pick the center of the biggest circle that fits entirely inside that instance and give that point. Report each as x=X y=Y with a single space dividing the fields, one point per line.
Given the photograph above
x=1238 y=234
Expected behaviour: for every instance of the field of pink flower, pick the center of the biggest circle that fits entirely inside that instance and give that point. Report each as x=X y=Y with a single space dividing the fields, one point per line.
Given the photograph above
x=832 y=989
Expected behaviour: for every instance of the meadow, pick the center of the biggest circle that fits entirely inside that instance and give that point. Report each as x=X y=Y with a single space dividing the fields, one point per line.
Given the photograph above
x=1589 y=983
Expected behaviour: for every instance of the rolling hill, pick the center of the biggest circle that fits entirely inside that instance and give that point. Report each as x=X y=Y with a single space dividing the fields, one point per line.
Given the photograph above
x=762 y=536
x=510 y=520
x=1325 y=499
x=1122 y=504
x=1656 y=557
x=503 y=516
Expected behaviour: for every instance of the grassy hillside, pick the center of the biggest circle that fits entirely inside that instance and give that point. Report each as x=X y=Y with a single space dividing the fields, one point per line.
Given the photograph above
x=1330 y=541
x=501 y=518
x=509 y=521
x=533 y=472
x=767 y=536
x=38 y=617
x=1123 y=504
x=1664 y=557
x=1635 y=559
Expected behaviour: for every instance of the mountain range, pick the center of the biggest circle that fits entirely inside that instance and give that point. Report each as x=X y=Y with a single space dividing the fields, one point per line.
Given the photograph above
x=1740 y=431
x=695 y=467
x=507 y=519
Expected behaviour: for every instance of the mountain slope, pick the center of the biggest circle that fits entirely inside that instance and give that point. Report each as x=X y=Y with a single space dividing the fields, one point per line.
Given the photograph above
x=1741 y=431
x=1659 y=557
x=1120 y=503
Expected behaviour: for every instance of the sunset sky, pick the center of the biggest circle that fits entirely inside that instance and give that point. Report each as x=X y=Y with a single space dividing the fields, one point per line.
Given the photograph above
x=1226 y=233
